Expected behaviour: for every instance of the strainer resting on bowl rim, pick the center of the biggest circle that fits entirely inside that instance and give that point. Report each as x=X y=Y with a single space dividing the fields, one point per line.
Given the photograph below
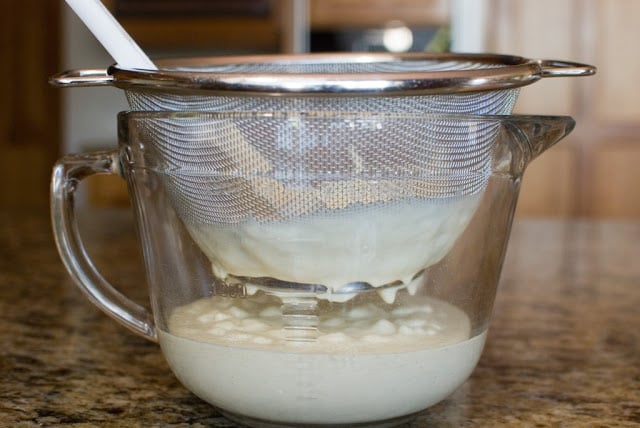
x=281 y=147
x=356 y=82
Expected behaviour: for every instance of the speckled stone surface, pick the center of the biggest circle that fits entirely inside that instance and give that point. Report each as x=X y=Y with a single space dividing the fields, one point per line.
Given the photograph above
x=563 y=348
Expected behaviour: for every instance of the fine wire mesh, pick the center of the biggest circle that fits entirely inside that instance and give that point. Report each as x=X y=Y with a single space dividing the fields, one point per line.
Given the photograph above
x=481 y=103
x=294 y=155
x=332 y=66
x=227 y=169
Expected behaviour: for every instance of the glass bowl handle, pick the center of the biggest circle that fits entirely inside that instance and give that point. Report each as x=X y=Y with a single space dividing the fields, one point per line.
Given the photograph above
x=67 y=173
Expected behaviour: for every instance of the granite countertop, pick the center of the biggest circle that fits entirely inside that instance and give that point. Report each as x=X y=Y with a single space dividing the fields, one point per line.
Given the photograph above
x=563 y=348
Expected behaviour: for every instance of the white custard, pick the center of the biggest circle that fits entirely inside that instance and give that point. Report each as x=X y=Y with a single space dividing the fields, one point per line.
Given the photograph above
x=379 y=245
x=368 y=362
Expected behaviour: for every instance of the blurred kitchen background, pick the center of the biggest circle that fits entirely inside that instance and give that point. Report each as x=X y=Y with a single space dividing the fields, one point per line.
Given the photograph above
x=594 y=173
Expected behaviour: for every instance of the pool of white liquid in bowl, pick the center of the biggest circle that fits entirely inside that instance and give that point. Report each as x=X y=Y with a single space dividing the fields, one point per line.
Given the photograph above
x=369 y=362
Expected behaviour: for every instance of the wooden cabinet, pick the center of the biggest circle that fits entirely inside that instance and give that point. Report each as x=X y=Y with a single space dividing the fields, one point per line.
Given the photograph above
x=595 y=172
x=29 y=108
x=332 y=14
x=264 y=32
x=233 y=31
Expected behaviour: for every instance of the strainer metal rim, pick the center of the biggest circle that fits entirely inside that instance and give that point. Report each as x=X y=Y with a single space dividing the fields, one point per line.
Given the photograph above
x=181 y=75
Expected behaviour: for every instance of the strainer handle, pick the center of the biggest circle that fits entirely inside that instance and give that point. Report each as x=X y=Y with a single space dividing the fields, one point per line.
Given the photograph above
x=558 y=68
x=67 y=173
x=81 y=78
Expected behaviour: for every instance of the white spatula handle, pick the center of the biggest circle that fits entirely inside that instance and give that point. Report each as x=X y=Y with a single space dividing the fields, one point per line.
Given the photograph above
x=124 y=50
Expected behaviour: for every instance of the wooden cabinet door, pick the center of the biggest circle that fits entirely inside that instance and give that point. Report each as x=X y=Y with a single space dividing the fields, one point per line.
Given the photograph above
x=593 y=172
x=29 y=108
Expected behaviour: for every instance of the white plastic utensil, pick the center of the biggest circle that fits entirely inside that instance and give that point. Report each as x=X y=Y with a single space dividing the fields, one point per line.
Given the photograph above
x=111 y=35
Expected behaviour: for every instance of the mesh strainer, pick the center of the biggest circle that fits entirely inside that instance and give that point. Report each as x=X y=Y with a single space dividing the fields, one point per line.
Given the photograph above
x=278 y=140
